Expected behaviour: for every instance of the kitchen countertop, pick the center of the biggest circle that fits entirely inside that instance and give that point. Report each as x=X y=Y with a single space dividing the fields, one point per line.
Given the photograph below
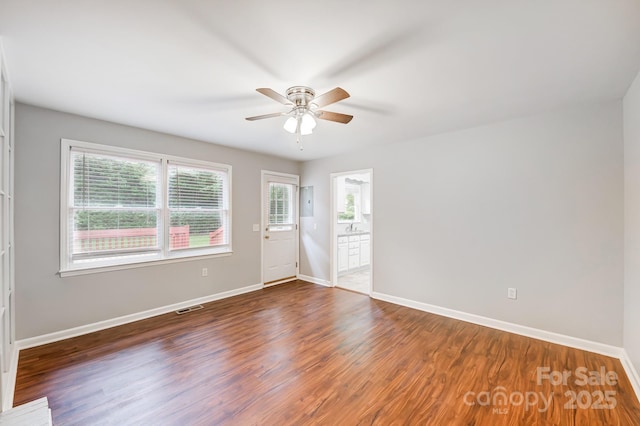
x=348 y=234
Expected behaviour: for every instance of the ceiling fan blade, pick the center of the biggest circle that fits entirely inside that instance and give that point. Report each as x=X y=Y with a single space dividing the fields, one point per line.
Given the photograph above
x=332 y=96
x=274 y=95
x=260 y=117
x=334 y=116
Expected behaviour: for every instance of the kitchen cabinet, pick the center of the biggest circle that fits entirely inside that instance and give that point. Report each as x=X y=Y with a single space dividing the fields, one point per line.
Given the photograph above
x=365 y=250
x=366 y=198
x=343 y=254
x=354 y=252
x=341 y=198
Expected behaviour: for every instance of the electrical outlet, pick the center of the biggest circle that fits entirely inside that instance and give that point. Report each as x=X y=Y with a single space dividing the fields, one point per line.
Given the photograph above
x=205 y=272
x=512 y=293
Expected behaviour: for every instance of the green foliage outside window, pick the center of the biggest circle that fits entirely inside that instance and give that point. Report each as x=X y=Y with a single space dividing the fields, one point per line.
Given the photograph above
x=191 y=189
x=350 y=209
x=101 y=183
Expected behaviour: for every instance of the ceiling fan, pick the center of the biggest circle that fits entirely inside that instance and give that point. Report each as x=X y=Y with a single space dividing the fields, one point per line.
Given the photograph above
x=305 y=108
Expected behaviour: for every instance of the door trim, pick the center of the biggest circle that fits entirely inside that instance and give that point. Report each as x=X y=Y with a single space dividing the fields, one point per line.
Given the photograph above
x=333 y=249
x=281 y=281
x=263 y=224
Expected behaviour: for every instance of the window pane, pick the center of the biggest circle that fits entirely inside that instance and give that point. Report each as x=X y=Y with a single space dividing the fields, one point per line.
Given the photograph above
x=280 y=203
x=104 y=231
x=104 y=181
x=113 y=205
x=198 y=213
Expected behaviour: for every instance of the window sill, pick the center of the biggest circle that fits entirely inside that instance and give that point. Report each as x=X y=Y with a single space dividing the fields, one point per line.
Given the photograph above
x=109 y=268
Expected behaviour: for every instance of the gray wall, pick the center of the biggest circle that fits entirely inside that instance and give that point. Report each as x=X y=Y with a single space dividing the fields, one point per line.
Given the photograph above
x=534 y=203
x=47 y=303
x=632 y=223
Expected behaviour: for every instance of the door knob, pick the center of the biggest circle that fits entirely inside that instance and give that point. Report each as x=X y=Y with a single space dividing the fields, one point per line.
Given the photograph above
x=266 y=237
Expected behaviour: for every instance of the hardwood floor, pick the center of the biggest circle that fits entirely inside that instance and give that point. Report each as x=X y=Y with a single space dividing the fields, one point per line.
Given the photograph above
x=305 y=354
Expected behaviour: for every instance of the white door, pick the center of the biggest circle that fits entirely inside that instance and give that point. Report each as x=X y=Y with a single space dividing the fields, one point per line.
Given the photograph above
x=280 y=228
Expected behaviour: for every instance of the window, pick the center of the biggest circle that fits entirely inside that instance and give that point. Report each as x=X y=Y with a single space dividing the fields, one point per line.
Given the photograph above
x=349 y=213
x=123 y=207
x=349 y=208
x=197 y=203
x=280 y=206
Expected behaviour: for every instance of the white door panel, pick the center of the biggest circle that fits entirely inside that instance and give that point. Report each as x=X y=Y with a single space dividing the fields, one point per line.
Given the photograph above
x=280 y=219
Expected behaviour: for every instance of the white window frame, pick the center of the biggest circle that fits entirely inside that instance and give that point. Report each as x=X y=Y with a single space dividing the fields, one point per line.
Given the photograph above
x=165 y=254
x=277 y=227
x=357 y=203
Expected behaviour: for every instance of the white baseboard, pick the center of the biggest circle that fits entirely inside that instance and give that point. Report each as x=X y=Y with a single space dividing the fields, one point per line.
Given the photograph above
x=632 y=373
x=101 y=325
x=548 y=336
x=315 y=280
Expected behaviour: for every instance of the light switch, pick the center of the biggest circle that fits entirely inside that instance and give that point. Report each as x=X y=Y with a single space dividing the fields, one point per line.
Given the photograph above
x=256 y=227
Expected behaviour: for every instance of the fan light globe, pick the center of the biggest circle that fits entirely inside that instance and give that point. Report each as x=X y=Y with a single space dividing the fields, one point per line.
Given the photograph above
x=307 y=124
x=291 y=124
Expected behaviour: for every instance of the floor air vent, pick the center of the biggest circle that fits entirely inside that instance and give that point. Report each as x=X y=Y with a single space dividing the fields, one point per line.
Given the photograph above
x=189 y=309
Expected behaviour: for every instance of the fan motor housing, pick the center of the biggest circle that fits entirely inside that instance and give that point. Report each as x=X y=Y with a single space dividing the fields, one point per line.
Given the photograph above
x=300 y=95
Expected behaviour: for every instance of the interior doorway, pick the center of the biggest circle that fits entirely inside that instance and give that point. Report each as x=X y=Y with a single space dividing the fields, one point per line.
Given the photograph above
x=279 y=227
x=352 y=230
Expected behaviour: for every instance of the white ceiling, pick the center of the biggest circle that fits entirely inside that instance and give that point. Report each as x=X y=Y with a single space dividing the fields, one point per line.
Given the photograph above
x=412 y=67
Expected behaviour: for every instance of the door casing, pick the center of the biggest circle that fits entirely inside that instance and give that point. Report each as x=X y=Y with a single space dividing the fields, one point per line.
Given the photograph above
x=264 y=220
x=333 y=246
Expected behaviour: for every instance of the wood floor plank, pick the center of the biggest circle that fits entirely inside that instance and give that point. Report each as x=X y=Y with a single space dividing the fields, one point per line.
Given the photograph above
x=298 y=353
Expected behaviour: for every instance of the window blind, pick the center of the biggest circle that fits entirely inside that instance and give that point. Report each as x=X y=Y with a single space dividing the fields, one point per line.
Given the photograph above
x=197 y=203
x=121 y=206
x=114 y=205
x=280 y=204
